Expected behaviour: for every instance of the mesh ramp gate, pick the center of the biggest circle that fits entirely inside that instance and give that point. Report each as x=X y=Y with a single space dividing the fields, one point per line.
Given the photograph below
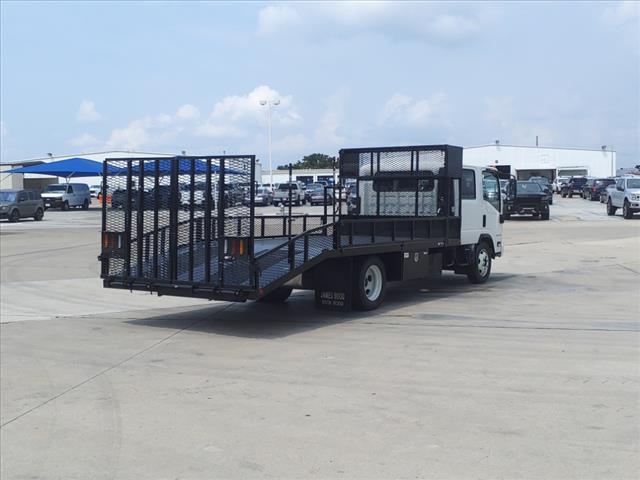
x=179 y=220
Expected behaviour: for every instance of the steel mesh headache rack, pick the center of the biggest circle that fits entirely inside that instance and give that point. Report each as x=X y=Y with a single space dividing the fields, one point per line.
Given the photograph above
x=186 y=226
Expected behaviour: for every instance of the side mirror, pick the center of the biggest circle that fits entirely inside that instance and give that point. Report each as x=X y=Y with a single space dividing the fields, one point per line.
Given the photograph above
x=512 y=189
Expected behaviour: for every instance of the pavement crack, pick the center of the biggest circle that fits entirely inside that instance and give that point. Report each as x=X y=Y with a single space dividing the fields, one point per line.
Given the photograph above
x=106 y=370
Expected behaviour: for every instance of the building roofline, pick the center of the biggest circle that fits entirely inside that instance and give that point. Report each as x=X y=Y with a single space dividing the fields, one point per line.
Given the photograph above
x=533 y=146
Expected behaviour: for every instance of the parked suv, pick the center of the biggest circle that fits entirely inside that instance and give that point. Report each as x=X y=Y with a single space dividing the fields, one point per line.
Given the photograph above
x=626 y=196
x=574 y=185
x=545 y=185
x=17 y=204
x=594 y=187
x=66 y=195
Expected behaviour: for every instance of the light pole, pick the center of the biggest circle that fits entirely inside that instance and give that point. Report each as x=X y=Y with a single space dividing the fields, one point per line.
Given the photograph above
x=270 y=104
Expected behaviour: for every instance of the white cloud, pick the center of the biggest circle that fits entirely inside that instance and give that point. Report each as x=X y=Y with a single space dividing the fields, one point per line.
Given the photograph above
x=84 y=140
x=188 y=112
x=327 y=131
x=247 y=108
x=402 y=109
x=273 y=18
x=623 y=12
x=87 y=112
x=147 y=131
x=443 y=22
x=232 y=117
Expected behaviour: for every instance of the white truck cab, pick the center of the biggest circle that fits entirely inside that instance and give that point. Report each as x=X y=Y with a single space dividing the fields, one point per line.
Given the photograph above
x=481 y=208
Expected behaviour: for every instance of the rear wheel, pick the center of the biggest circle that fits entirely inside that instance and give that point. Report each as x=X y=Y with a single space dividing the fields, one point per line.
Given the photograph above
x=279 y=295
x=370 y=284
x=480 y=270
x=38 y=215
x=14 y=216
x=611 y=210
x=626 y=210
x=65 y=206
x=85 y=204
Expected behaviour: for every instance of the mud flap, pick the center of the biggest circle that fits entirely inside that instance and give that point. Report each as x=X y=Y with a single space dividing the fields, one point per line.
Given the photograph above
x=333 y=284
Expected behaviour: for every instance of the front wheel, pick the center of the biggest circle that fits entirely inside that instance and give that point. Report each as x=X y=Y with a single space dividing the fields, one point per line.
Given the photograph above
x=570 y=194
x=85 y=205
x=65 y=206
x=38 y=215
x=545 y=215
x=626 y=210
x=370 y=284
x=480 y=270
x=611 y=210
x=14 y=216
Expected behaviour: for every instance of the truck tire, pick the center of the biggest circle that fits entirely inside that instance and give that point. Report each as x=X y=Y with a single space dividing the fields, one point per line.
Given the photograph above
x=571 y=194
x=627 y=213
x=65 y=206
x=370 y=284
x=85 y=204
x=545 y=215
x=480 y=270
x=611 y=210
x=279 y=295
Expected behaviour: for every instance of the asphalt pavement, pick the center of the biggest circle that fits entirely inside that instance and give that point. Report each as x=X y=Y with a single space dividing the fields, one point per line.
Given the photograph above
x=535 y=374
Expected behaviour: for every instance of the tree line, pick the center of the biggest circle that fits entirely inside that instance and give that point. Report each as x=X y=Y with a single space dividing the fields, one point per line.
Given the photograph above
x=315 y=160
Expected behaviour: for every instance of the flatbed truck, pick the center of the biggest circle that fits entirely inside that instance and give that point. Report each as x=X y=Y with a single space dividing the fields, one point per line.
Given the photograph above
x=417 y=211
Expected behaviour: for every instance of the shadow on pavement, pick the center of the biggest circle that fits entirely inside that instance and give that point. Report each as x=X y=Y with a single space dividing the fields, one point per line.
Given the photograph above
x=298 y=314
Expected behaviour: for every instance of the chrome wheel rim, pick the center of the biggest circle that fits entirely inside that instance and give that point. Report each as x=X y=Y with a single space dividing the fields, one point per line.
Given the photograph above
x=483 y=262
x=372 y=282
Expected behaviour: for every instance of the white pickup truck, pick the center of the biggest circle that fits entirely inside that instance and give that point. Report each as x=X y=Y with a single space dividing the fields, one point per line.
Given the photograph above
x=625 y=195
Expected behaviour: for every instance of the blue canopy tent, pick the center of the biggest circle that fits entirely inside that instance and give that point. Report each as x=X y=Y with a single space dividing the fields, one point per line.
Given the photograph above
x=71 y=167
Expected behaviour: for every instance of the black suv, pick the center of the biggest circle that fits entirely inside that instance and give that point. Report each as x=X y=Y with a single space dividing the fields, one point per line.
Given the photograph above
x=574 y=185
x=594 y=187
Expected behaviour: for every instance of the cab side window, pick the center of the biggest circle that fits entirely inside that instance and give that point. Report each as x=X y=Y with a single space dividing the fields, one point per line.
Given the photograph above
x=491 y=189
x=468 y=185
x=69 y=189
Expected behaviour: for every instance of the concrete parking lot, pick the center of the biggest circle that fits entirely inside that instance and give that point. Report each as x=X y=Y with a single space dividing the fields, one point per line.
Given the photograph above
x=535 y=374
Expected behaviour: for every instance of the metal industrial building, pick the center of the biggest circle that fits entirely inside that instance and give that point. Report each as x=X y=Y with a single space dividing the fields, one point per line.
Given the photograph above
x=524 y=162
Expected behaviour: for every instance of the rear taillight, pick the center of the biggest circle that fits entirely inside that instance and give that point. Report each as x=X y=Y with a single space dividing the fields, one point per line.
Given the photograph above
x=236 y=247
x=111 y=240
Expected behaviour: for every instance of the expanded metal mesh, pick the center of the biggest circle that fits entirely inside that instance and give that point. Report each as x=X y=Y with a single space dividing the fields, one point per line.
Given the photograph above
x=171 y=217
x=402 y=182
x=293 y=254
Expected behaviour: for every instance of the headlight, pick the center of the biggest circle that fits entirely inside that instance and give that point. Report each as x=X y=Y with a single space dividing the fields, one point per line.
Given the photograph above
x=2 y=209
x=635 y=197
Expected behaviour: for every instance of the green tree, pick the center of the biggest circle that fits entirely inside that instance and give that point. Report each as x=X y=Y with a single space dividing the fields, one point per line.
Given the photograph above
x=315 y=160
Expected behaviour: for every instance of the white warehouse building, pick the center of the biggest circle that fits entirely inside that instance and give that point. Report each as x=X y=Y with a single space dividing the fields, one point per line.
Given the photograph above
x=525 y=162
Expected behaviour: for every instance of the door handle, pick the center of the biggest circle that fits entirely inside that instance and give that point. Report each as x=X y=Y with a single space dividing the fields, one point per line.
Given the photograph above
x=484 y=221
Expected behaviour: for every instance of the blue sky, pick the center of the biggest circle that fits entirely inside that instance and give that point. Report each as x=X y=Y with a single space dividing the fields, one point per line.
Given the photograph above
x=166 y=77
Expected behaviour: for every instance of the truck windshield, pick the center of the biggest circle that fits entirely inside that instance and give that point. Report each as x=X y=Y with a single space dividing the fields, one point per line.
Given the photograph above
x=633 y=183
x=7 y=196
x=286 y=187
x=56 y=188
